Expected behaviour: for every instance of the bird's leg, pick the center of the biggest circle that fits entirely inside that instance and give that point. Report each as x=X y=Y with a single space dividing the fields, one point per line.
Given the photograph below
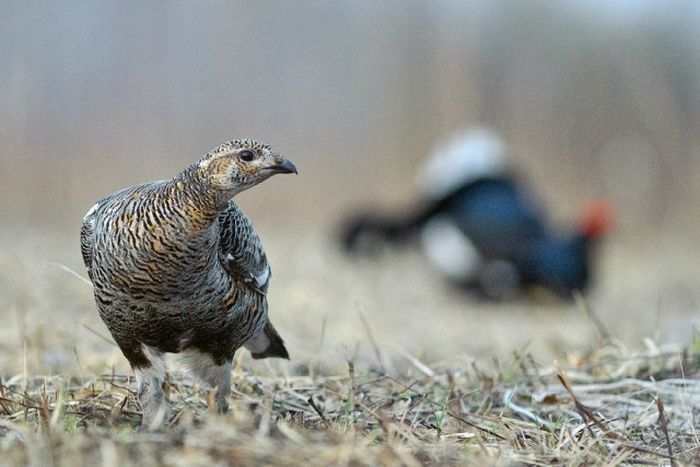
x=149 y=390
x=221 y=381
x=216 y=374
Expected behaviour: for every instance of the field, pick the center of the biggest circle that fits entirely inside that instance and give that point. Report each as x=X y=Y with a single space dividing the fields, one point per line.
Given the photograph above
x=388 y=367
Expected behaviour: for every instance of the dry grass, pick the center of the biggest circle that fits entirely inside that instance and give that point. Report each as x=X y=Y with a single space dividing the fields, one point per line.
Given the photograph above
x=366 y=385
x=610 y=407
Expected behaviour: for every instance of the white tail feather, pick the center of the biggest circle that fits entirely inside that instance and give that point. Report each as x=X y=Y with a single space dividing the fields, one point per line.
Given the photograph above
x=468 y=156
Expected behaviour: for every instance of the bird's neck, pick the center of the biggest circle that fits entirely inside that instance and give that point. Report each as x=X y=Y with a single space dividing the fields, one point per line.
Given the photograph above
x=582 y=243
x=195 y=199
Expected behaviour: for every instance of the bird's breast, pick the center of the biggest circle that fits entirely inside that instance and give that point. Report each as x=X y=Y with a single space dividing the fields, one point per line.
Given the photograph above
x=139 y=253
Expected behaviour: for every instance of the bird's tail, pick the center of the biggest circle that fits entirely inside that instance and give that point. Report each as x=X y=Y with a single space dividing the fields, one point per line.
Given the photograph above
x=268 y=344
x=465 y=158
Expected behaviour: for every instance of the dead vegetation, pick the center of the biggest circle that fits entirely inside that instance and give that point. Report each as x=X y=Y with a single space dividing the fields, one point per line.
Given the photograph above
x=364 y=387
x=611 y=406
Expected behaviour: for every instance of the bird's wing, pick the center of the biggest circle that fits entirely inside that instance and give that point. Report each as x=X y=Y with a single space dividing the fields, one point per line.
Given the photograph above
x=241 y=248
x=87 y=231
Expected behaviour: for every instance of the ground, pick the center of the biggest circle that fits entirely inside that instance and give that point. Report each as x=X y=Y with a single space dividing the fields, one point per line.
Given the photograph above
x=389 y=366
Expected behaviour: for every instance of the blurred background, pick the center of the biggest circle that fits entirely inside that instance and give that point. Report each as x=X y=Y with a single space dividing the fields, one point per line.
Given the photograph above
x=595 y=99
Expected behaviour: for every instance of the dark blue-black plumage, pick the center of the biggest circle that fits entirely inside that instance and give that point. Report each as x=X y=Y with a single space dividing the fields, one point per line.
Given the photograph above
x=503 y=230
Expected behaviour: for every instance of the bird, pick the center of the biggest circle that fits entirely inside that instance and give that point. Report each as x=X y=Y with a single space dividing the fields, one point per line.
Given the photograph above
x=478 y=224
x=177 y=267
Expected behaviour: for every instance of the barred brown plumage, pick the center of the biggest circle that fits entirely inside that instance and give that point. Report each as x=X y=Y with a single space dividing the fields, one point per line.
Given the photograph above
x=178 y=268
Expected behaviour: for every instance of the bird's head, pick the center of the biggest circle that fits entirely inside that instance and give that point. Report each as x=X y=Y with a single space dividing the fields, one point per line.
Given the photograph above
x=598 y=219
x=241 y=164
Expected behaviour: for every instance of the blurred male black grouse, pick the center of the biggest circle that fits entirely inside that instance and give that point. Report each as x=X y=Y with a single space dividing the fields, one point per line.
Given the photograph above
x=177 y=267
x=478 y=226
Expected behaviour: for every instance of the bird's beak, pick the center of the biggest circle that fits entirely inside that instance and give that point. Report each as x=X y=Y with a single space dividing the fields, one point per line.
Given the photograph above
x=286 y=167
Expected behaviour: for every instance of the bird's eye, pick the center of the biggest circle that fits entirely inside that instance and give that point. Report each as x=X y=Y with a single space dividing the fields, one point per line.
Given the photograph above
x=246 y=155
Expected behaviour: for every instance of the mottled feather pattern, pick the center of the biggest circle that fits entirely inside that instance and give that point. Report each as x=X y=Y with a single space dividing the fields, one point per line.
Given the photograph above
x=242 y=248
x=178 y=267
